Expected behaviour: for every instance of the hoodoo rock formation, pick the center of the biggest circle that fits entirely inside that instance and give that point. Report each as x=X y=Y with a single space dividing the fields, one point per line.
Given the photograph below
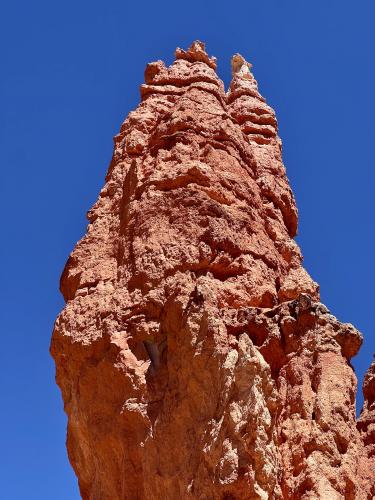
x=193 y=355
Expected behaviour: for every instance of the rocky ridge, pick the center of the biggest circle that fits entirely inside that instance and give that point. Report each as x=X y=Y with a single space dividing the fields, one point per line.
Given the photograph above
x=193 y=355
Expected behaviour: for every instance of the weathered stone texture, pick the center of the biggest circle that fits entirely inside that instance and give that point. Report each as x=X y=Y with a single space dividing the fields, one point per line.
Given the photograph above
x=193 y=355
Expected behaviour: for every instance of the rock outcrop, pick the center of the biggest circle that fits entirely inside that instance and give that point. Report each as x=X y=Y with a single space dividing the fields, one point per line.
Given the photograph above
x=193 y=355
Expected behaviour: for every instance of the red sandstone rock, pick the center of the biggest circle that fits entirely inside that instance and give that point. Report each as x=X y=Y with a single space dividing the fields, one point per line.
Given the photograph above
x=194 y=357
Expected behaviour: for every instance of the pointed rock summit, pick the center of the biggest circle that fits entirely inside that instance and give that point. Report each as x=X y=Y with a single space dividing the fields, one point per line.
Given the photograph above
x=193 y=355
x=196 y=53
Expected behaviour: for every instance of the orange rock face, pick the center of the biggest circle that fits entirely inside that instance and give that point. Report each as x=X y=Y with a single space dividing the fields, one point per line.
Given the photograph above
x=193 y=355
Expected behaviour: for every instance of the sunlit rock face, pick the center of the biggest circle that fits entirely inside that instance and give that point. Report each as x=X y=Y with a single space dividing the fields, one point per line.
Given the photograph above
x=193 y=355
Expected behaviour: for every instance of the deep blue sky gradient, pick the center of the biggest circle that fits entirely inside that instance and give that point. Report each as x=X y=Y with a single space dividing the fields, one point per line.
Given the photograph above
x=70 y=73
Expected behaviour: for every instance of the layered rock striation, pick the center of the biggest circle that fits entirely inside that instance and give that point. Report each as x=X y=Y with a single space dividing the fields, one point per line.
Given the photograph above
x=193 y=355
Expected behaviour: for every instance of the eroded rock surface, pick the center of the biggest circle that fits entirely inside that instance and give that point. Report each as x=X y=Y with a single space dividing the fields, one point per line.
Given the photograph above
x=193 y=355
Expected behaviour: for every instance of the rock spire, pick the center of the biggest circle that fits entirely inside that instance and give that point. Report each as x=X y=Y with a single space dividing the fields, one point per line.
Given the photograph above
x=193 y=355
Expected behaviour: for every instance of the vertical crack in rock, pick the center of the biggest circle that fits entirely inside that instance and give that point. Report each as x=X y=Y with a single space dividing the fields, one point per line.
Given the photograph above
x=193 y=355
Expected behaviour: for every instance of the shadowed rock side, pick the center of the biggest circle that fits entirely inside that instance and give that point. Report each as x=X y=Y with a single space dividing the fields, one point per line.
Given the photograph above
x=193 y=355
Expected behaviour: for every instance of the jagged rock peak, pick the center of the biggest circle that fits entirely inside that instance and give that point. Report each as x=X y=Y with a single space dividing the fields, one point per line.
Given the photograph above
x=240 y=67
x=243 y=81
x=196 y=52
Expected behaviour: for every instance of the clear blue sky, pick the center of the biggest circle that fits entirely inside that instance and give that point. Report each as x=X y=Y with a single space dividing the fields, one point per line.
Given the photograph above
x=70 y=73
